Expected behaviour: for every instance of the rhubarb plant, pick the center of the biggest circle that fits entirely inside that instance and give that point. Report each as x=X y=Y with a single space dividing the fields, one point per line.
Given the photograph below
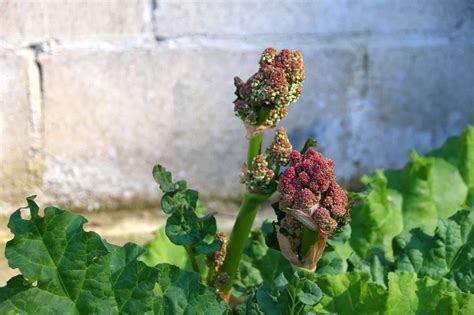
x=404 y=245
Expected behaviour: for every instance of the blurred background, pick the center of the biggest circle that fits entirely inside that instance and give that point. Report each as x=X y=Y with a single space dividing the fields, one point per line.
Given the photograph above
x=94 y=93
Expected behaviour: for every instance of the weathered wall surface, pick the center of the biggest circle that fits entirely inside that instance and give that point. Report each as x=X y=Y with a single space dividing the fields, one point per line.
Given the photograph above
x=93 y=93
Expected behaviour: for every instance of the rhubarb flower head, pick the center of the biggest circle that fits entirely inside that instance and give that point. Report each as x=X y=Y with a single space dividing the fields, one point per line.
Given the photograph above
x=271 y=89
x=309 y=197
x=278 y=153
x=259 y=175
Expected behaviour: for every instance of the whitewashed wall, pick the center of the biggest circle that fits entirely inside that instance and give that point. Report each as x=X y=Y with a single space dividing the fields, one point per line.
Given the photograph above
x=93 y=93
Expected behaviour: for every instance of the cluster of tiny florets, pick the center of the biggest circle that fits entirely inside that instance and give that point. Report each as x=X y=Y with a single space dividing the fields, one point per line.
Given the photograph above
x=259 y=175
x=216 y=259
x=324 y=221
x=309 y=184
x=278 y=153
x=276 y=84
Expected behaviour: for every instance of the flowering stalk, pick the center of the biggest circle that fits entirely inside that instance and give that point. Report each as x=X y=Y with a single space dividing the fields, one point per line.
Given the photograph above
x=261 y=103
x=238 y=240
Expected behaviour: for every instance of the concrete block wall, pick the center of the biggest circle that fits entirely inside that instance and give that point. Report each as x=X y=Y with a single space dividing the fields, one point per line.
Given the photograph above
x=93 y=93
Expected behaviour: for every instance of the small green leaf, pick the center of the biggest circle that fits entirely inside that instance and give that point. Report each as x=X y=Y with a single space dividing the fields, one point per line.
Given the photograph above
x=309 y=293
x=183 y=229
x=310 y=143
x=163 y=178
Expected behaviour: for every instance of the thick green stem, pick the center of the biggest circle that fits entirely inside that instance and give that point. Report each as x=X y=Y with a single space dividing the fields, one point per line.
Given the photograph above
x=192 y=258
x=255 y=145
x=309 y=238
x=238 y=239
x=251 y=203
x=211 y=273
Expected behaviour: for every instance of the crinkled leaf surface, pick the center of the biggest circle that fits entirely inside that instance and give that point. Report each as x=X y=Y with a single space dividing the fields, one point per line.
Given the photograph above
x=351 y=293
x=409 y=295
x=426 y=190
x=449 y=253
x=356 y=293
x=378 y=218
x=184 y=227
x=180 y=292
x=66 y=270
x=295 y=296
x=65 y=262
x=260 y=264
x=132 y=280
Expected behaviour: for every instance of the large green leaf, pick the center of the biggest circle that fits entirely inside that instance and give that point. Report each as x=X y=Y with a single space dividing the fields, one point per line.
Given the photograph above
x=449 y=253
x=351 y=293
x=432 y=189
x=66 y=270
x=62 y=260
x=409 y=295
x=426 y=190
x=459 y=151
x=356 y=293
x=132 y=280
x=378 y=218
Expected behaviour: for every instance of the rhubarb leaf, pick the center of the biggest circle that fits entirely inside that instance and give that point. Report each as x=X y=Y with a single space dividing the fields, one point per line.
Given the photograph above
x=66 y=270
x=449 y=253
x=426 y=190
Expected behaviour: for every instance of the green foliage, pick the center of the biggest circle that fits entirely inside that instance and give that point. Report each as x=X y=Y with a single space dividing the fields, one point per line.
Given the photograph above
x=184 y=227
x=356 y=293
x=282 y=296
x=66 y=270
x=260 y=264
x=180 y=292
x=449 y=253
x=439 y=266
x=409 y=250
x=426 y=190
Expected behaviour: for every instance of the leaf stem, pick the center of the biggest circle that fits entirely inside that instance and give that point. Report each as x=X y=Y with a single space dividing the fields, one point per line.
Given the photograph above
x=192 y=258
